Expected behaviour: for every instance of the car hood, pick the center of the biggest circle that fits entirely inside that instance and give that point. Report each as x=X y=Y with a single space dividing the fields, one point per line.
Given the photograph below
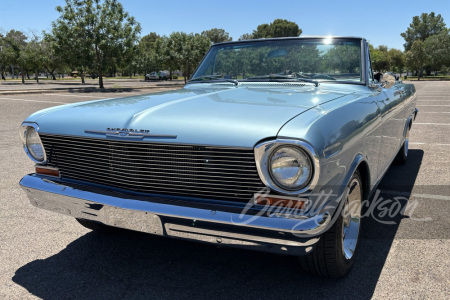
x=207 y=114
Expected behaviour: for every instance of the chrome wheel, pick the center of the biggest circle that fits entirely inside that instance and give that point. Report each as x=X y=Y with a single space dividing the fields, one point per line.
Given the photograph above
x=406 y=142
x=351 y=216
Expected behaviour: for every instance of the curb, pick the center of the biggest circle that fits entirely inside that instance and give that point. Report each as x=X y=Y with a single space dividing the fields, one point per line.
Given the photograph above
x=89 y=89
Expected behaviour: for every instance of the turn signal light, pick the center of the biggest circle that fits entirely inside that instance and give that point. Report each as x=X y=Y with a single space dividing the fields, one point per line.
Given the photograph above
x=47 y=171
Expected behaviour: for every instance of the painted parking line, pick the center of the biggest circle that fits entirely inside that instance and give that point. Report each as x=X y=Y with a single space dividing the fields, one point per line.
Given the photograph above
x=427 y=96
x=30 y=100
x=65 y=95
x=425 y=196
x=443 y=124
x=435 y=112
x=432 y=105
x=123 y=94
x=417 y=143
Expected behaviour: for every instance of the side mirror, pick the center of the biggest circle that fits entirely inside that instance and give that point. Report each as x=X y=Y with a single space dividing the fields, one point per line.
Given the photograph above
x=387 y=81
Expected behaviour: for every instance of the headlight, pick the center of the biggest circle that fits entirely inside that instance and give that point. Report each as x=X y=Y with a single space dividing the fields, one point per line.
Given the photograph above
x=290 y=168
x=33 y=145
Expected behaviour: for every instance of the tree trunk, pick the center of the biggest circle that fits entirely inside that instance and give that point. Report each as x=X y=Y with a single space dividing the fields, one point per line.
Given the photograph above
x=3 y=76
x=100 y=79
x=82 y=77
x=28 y=75
x=23 y=75
x=37 y=76
x=12 y=72
x=53 y=75
x=170 y=73
x=131 y=73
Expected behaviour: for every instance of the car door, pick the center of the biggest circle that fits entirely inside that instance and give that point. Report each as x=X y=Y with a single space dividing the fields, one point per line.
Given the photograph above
x=393 y=124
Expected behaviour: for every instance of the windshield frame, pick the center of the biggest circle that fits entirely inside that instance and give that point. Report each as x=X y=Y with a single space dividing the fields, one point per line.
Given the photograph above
x=363 y=55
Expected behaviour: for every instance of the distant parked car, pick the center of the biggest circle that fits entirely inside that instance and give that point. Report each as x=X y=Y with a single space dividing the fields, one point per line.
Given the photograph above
x=157 y=76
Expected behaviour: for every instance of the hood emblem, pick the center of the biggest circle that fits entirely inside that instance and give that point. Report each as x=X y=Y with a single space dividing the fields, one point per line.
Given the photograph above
x=130 y=133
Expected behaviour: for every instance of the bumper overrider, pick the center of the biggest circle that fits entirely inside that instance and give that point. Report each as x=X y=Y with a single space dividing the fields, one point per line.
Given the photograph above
x=222 y=225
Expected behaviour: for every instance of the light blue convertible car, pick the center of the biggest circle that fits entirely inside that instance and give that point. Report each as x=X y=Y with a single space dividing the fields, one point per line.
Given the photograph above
x=272 y=145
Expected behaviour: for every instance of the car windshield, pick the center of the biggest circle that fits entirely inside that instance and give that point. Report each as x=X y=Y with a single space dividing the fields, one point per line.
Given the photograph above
x=313 y=60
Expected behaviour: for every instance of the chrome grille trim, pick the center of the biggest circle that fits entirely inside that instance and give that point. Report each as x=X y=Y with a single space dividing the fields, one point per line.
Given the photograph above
x=211 y=172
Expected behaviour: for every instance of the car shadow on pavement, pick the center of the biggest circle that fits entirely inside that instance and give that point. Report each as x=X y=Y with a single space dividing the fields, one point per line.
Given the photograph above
x=136 y=265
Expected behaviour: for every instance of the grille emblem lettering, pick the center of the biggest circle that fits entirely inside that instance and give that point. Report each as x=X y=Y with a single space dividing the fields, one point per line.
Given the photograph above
x=130 y=133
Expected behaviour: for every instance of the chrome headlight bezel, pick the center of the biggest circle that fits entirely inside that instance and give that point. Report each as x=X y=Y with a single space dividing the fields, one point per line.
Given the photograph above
x=263 y=154
x=23 y=131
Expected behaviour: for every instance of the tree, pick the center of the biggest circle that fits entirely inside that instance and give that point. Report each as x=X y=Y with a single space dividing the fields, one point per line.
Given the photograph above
x=146 y=57
x=422 y=27
x=216 y=35
x=51 y=59
x=165 y=56
x=194 y=48
x=380 y=58
x=15 y=42
x=103 y=29
x=438 y=49
x=246 y=36
x=3 y=57
x=278 y=28
x=417 y=57
x=32 y=57
x=396 y=60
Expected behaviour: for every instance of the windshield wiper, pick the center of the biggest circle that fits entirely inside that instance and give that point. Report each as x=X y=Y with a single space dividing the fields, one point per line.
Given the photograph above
x=213 y=78
x=281 y=77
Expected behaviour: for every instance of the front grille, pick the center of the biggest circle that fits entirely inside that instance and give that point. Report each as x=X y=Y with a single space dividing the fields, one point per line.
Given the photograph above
x=180 y=170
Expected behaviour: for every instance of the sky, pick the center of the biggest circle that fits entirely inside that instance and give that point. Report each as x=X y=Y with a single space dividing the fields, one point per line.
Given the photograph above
x=379 y=21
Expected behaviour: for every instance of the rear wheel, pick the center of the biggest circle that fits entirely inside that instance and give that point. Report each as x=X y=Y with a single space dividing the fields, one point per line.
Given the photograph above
x=402 y=154
x=334 y=254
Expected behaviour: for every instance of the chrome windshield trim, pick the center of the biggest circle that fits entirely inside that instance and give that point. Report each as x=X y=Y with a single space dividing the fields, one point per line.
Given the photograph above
x=263 y=152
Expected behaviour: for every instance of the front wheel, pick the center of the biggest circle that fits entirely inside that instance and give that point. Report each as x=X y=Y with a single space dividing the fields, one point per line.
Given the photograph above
x=334 y=254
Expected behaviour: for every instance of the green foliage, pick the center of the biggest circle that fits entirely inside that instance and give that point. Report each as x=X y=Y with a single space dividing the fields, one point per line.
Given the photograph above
x=417 y=57
x=105 y=34
x=422 y=27
x=52 y=59
x=216 y=35
x=246 y=36
x=396 y=60
x=278 y=28
x=15 y=43
x=289 y=58
x=344 y=58
x=438 y=50
x=385 y=59
x=380 y=58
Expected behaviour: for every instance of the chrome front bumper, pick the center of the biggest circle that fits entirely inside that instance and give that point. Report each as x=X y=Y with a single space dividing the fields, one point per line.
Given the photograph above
x=169 y=218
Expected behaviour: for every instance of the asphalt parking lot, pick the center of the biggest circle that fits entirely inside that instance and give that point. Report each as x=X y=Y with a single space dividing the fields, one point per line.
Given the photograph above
x=50 y=256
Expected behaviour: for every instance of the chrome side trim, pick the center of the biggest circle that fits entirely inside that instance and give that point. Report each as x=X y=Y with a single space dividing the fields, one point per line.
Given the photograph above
x=25 y=148
x=263 y=152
